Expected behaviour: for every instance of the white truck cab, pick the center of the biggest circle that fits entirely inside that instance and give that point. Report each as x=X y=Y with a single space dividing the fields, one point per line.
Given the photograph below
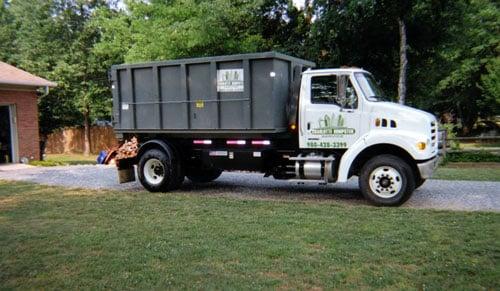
x=345 y=109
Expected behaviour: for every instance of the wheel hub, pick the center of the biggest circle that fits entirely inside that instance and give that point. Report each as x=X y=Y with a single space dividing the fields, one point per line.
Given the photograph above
x=158 y=171
x=154 y=172
x=385 y=182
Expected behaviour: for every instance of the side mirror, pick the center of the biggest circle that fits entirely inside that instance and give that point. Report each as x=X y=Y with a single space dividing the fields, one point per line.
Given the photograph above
x=347 y=97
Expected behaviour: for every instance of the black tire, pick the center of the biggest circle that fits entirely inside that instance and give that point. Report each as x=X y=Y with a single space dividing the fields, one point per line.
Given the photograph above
x=419 y=182
x=387 y=172
x=203 y=175
x=171 y=170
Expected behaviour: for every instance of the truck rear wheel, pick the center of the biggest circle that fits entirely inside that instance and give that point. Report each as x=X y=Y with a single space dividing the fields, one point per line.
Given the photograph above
x=203 y=175
x=160 y=171
x=386 y=180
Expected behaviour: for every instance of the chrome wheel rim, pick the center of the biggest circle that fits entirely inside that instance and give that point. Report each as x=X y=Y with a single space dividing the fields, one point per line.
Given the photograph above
x=154 y=172
x=385 y=182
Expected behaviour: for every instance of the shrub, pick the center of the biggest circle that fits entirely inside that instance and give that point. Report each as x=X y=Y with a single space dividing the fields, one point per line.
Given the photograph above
x=473 y=157
x=450 y=133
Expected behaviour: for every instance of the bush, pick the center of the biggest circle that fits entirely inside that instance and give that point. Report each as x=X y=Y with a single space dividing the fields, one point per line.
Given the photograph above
x=450 y=134
x=472 y=157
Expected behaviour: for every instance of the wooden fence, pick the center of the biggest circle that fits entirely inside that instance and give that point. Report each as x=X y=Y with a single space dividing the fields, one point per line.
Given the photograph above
x=70 y=140
x=469 y=144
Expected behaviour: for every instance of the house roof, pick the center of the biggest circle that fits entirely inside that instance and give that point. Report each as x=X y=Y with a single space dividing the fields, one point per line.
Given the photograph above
x=10 y=75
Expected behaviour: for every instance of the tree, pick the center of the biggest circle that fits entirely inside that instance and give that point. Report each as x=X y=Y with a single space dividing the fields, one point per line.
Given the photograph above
x=400 y=11
x=490 y=85
x=470 y=57
x=7 y=32
x=188 y=28
x=437 y=55
x=182 y=28
x=395 y=40
x=403 y=61
x=38 y=40
x=56 y=39
x=356 y=33
x=285 y=27
x=87 y=76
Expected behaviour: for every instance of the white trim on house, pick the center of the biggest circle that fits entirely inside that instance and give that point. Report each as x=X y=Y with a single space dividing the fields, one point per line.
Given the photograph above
x=13 y=133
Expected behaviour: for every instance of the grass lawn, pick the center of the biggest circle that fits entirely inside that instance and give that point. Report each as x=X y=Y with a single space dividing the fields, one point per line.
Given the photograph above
x=55 y=238
x=469 y=171
x=65 y=160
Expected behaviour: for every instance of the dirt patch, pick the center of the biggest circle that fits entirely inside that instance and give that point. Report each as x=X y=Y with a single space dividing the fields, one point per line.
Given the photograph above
x=9 y=202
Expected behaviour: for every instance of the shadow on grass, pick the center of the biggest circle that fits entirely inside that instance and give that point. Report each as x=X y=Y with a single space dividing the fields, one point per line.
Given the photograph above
x=282 y=191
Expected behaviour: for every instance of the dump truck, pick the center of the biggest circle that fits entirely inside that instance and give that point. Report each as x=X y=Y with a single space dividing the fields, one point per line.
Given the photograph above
x=269 y=113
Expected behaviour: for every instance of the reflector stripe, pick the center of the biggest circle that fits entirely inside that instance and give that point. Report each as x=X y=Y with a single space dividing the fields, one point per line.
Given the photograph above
x=202 y=141
x=238 y=142
x=261 y=142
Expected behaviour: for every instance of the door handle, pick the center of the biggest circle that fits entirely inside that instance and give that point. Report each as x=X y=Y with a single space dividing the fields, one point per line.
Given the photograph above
x=346 y=110
x=308 y=126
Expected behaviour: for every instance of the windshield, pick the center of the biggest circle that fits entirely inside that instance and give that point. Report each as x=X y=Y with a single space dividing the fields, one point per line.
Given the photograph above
x=370 y=87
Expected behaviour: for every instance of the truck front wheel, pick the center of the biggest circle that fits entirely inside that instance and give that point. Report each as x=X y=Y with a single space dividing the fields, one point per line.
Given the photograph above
x=386 y=180
x=203 y=175
x=159 y=171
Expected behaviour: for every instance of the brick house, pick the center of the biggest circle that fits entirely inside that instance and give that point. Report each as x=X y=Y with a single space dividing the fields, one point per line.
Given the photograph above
x=19 y=133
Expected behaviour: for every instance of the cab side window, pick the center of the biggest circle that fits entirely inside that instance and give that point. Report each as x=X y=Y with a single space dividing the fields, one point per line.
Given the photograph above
x=324 y=90
x=335 y=90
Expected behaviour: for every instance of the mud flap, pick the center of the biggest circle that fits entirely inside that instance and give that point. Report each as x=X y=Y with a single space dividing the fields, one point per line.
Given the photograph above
x=126 y=171
x=126 y=175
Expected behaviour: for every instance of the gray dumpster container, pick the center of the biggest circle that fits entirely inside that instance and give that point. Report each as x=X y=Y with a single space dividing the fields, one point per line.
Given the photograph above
x=236 y=93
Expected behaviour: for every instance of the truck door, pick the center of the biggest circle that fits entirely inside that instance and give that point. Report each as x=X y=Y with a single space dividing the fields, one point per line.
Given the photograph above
x=329 y=115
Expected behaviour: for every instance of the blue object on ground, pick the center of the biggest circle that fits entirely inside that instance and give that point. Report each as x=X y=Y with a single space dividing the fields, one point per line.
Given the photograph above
x=101 y=157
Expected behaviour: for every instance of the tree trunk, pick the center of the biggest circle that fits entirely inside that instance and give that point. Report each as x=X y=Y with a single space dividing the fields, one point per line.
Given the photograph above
x=86 y=125
x=308 y=9
x=403 y=61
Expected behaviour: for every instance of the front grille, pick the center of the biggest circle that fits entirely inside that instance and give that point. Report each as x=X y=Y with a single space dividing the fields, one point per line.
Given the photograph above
x=434 y=133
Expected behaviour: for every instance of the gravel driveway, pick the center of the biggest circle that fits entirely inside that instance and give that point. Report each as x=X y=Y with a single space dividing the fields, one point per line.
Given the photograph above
x=437 y=194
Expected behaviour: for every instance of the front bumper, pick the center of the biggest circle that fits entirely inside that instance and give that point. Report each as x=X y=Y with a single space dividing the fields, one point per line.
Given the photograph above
x=426 y=169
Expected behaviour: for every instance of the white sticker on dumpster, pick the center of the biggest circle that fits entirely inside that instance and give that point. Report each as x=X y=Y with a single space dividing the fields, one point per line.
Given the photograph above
x=230 y=80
